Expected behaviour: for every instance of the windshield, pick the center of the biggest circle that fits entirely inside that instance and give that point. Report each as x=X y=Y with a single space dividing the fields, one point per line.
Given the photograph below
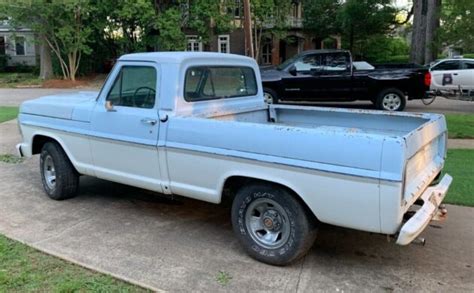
x=288 y=62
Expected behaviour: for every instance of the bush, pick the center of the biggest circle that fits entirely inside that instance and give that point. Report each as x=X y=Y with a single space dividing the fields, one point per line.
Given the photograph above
x=3 y=63
x=468 y=55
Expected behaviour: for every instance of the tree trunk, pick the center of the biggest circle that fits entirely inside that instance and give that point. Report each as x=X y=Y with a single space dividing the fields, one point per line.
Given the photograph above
x=351 y=39
x=432 y=24
x=46 y=65
x=418 y=38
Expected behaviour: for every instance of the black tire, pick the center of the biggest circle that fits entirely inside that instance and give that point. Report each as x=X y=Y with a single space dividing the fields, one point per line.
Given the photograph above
x=60 y=180
x=289 y=220
x=271 y=97
x=391 y=99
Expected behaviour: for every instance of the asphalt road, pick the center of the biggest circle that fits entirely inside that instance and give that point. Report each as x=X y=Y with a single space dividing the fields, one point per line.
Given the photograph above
x=14 y=97
x=178 y=244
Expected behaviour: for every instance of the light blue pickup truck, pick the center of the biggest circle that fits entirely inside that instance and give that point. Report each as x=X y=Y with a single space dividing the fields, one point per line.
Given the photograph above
x=197 y=125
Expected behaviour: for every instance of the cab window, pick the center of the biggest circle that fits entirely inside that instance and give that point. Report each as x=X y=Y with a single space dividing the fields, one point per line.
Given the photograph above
x=335 y=63
x=447 y=65
x=219 y=82
x=468 y=65
x=135 y=86
x=309 y=63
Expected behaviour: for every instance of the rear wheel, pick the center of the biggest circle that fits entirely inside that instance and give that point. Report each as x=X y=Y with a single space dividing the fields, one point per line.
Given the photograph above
x=272 y=225
x=270 y=96
x=391 y=99
x=60 y=179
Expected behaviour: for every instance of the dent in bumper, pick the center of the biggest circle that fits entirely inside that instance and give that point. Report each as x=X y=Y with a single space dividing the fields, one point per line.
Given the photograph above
x=432 y=198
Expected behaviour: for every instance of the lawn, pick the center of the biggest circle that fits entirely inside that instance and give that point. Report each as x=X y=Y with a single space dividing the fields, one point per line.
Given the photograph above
x=8 y=113
x=24 y=269
x=13 y=79
x=460 y=165
x=460 y=126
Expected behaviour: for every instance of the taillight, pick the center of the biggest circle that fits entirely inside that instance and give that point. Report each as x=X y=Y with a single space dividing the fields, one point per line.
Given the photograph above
x=427 y=79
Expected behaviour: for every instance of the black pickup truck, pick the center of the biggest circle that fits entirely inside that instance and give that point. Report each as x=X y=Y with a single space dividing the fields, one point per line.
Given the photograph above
x=330 y=75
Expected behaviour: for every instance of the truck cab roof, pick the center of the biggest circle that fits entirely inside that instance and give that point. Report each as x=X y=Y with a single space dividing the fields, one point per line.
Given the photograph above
x=181 y=57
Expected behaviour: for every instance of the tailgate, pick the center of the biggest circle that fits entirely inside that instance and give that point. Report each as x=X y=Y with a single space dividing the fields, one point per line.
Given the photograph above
x=425 y=153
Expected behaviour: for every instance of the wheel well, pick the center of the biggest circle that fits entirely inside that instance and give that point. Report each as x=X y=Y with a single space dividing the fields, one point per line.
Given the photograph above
x=38 y=143
x=234 y=183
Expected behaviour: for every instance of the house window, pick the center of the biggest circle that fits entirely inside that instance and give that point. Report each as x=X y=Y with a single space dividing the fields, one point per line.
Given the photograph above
x=194 y=44
x=223 y=44
x=2 y=46
x=267 y=53
x=20 y=46
x=238 y=9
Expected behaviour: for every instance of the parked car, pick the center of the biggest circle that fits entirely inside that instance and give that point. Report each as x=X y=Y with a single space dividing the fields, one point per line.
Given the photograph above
x=330 y=75
x=197 y=125
x=455 y=74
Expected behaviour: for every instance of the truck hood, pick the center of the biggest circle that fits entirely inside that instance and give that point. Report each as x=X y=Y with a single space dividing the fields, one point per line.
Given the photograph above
x=58 y=106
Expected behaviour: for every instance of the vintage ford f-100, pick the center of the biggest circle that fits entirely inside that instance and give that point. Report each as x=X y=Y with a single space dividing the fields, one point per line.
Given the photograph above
x=197 y=125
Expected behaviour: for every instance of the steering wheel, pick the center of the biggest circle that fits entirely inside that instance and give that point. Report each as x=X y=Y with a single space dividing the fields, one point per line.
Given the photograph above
x=151 y=93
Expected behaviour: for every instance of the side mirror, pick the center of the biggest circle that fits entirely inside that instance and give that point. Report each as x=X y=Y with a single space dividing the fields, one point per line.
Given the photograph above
x=109 y=106
x=292 y=70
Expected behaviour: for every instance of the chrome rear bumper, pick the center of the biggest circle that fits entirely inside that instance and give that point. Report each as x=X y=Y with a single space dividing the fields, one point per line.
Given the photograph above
x=432 y=198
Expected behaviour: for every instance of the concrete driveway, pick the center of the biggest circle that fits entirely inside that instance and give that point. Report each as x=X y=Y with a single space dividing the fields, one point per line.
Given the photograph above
x=178 y=244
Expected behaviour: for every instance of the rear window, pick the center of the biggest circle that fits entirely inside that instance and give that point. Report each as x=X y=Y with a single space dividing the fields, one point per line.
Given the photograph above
x=219 y=82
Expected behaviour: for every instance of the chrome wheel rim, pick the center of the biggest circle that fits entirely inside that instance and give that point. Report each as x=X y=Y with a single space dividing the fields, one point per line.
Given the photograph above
x=268 y=223
x=49 y=172
x=268 y=98
x=391 y=102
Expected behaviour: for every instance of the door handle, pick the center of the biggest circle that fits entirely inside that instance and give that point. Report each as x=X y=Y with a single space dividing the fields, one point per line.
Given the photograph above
x=455 y=74
x=149 y=121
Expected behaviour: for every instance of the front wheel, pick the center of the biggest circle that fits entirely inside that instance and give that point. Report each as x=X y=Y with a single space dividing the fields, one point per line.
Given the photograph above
x=270 y=96
x=60 y=179
x=391 y=99
x=272 y=225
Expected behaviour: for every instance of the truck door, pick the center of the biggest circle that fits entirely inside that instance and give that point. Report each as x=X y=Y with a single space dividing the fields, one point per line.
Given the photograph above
x=125 y=124
x=303 y=85
x=467 y=75
x=335 y=78
x=446 y=75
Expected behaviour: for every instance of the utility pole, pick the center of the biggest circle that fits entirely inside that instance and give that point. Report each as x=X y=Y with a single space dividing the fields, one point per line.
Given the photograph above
x=248 y=29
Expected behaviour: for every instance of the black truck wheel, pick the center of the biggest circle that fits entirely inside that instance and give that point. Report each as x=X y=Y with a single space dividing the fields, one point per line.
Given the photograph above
x=391 y=99
x=272 y=225
x=60 y=179
x=271 y=97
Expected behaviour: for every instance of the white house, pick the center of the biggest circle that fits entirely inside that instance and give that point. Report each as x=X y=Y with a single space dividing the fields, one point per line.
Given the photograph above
x=18 y=44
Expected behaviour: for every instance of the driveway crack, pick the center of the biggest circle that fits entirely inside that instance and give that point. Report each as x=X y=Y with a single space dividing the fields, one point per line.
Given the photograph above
x=300 y=273
x=64 y=231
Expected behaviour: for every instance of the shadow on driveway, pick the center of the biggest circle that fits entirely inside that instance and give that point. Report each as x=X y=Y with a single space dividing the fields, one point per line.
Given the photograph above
x=183 y=244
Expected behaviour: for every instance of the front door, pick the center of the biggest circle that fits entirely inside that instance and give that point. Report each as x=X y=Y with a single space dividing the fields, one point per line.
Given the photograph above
x=303 y=85
x=125 y=126
x=446 y=75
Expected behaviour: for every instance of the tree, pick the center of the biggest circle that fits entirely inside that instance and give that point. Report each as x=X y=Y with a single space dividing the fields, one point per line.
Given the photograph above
x=208 y=17
x=319 y=17
x=457 y=17
x=269 y=18
x=426 y=16
x=61 y=25
x=169 y=25
x=361 y=19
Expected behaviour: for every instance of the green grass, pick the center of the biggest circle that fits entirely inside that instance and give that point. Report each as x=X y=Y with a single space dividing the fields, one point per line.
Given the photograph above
x=24 y=269
x=223 y=278
x=460 y=165
x=10 y=159
x=460 y=125
x=13 y=79
x=8 y=113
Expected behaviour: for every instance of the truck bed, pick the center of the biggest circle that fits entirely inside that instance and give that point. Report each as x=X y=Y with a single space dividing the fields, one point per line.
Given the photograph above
x=327 y=119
